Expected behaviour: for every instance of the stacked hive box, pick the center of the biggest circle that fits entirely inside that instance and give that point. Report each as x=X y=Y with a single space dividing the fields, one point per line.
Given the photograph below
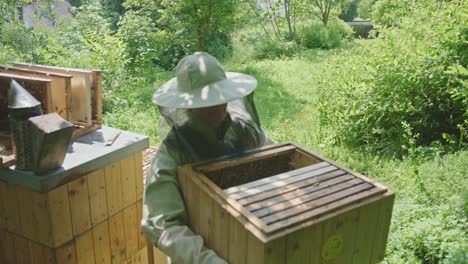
x=88 y=217
x=283 y=204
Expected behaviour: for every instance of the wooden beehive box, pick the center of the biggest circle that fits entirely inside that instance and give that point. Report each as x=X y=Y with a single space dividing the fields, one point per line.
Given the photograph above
x=88 y=211
x=284 y=204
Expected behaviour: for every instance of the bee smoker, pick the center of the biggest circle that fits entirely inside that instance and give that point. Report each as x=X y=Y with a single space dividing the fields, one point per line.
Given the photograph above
x=22 y=106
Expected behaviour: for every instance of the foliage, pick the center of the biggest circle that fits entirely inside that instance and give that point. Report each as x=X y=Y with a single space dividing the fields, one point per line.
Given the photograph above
x=272 y=48
x=324 y=10
x=365 y=8
x=391 y=12
x=414 y=94
x=316 y=35
x=348 y=14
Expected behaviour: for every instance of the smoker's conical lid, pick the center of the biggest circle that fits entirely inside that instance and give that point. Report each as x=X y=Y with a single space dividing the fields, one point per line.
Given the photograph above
x=19 y=98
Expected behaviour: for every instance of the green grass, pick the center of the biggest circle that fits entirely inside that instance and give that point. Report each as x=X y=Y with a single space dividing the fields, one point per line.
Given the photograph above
x=429 y=223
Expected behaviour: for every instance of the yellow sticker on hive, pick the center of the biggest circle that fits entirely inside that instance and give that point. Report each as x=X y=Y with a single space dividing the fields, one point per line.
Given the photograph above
x=332 y=247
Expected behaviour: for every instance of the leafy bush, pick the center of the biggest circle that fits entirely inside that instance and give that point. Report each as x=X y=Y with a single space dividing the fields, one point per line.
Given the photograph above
x=405 y=90
x=348 y=14
x=272 y=48
x=316 y=35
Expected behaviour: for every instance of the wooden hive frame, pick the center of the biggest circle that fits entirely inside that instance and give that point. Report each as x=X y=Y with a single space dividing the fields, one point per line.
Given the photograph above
x=85 y=99
x=315 y=211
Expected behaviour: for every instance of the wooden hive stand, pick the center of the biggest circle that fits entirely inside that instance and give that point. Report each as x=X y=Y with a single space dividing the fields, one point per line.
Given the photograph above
x=284 y=204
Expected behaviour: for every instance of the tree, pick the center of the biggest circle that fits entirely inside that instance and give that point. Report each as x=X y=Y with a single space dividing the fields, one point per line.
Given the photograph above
x=323 y=9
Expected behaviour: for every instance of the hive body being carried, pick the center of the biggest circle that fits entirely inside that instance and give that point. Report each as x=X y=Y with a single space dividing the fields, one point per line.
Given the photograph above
x=284 y=204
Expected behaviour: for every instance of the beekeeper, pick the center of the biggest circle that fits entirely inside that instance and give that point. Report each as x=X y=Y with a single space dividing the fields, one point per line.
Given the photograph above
x=206 y=113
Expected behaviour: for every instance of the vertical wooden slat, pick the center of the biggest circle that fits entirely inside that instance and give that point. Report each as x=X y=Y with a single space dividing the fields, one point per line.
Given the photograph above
x=131 y=230
x=97 y=196
x=138 y=159
x=205 y=220
x=25 y=210
x=42 y=223
x=128 y=172
x=79 y=205
x=114 y=189
x=220 y=230
x=41 y=254
x=101 y=239
x=141 y=236
x=7 y=248
x=60 y=217
x=85 y=248
x=192 y=198
x=314 y=242
x=255 y=250
x=365 y=230
x=237 y=242
x=275 y=251
x=383 y=225
x=66 y=254
x=296 y=247
x=159 y=256
x=11 y=207
x=2 y=205
x=117 y=238
x=347 y=229
x=21 y=250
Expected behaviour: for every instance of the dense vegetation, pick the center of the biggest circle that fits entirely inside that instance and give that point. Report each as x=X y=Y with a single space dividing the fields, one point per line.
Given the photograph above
x=394 y=107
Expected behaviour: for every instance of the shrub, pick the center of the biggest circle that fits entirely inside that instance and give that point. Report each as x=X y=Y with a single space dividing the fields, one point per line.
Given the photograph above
x=272 y=48
x=317 y=35
x=405 y=90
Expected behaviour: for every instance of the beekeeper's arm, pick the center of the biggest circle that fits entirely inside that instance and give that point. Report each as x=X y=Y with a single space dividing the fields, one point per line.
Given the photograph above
x=164 y=216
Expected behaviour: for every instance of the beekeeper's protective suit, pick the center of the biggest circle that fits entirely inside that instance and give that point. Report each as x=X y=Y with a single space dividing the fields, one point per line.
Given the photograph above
x=200 y=83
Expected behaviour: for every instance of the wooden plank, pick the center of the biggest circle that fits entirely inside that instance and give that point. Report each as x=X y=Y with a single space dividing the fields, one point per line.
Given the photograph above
x=97 y=96
x=205 y=220
x=281 y=220
x=297 y=189
x=25 y=210
x=7 y=247
x=278 y=177
x=255 y=250
x=12 y=217
x=299 y=160
x=296 y=250
x=140 y=257
x=85 y=248
x=3 y=224
x=117 y=238
x=97 y=196
x=293 y=200
x=366 y=226
x=60 y=216
x=114 y=188
x=159 y=257
x=275 y=251
x=273 y=182
x=194 y=213
x=66 y=254
x=141 y=236
x=314 y=242
x=139 y=175
x=102 y=251
x=237 y=242
x=128 y=172
x=383 y=226
x=22 y=252
x=131 y=230
x=218 y=165
x=78 y=197
x=41 y=218
x=41 y=254
x=220 y=230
